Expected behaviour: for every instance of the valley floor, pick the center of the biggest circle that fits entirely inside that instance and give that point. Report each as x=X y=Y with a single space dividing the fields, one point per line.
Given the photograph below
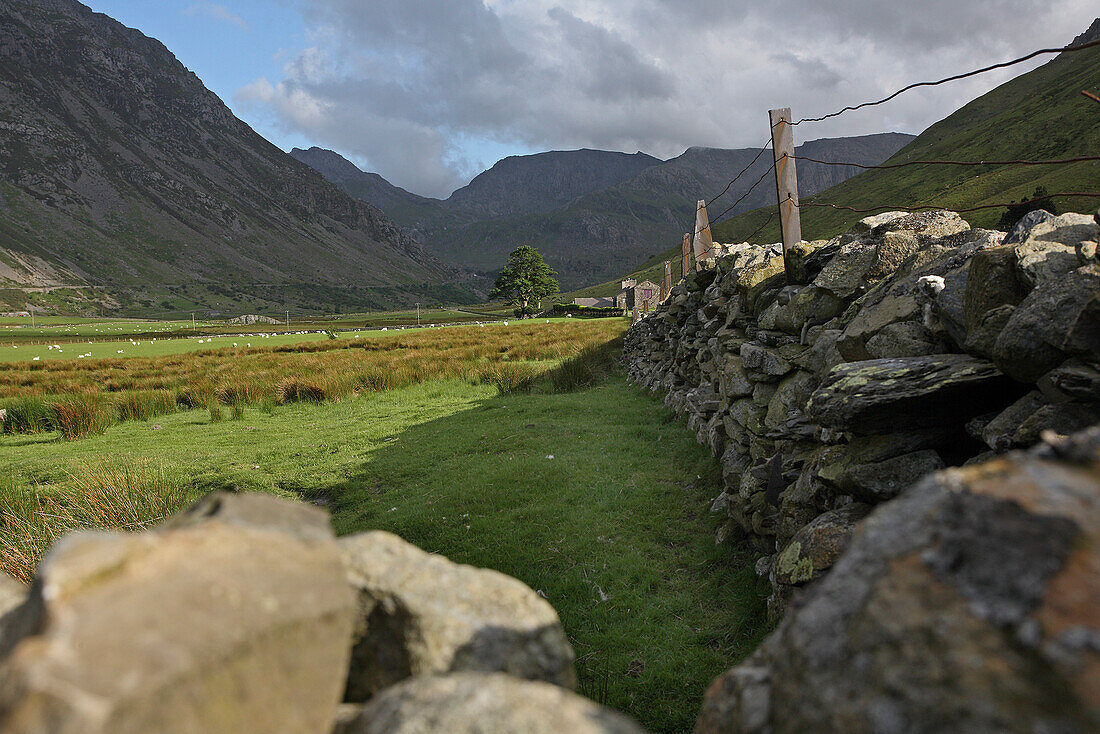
x=596 y=498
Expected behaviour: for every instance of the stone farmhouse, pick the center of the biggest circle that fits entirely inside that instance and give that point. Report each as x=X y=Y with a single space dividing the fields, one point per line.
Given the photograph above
x=644 y=296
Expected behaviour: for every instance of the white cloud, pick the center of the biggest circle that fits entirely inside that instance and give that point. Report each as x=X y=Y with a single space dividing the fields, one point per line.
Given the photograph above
x=398 y=84
x=218 y=12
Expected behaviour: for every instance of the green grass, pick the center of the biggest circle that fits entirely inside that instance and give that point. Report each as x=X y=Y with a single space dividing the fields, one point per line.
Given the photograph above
x=613 y=529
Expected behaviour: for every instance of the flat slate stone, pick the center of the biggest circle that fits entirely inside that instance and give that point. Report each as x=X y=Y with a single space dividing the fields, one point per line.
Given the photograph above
x=912 y=392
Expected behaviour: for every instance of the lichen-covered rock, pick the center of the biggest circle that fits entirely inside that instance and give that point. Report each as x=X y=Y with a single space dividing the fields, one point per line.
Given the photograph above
x=233 y=618
x=967 y=604
x=479 y=703
x=420 y=613
x=815 y=548
x=905 y=393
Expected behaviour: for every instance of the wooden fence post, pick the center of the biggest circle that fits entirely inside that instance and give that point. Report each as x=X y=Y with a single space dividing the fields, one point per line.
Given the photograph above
x=666 y=284
x=703 y=241
x=685 y=251
x=786 y=178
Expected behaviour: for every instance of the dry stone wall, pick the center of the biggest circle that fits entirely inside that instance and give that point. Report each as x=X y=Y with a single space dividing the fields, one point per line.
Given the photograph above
x=909 y=344
x=244 y=614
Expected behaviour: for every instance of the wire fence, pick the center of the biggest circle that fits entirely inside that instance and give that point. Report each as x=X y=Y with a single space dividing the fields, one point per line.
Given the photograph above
x=789 y=197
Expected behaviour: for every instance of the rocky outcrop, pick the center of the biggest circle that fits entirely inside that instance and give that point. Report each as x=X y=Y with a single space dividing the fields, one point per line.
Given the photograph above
x=245 y=614
x=830 y=381
x=967 y=604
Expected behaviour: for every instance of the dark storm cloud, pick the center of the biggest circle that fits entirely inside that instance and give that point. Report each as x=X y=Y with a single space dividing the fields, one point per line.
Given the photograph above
x=404 y=86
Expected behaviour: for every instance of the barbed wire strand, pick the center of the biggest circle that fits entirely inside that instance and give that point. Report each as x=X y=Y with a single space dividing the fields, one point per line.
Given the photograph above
x=741 y=173
x=761 y=227
x=739 y=200
x=954 y=77
x=1058 y=161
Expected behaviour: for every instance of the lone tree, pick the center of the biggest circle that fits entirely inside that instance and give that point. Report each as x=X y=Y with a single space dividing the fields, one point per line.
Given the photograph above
x=525 y=278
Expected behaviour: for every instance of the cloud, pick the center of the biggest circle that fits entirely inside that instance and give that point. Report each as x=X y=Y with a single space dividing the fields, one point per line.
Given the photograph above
x=217 y=12
x=403 y=86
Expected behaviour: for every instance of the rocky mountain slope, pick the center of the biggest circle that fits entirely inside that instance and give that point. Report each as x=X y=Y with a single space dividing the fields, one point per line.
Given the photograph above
x=1036 y=116
x=119 y=170
x=591 y=213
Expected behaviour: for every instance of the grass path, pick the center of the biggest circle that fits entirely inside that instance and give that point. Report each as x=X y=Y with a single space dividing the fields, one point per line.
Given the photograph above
x=613 y=529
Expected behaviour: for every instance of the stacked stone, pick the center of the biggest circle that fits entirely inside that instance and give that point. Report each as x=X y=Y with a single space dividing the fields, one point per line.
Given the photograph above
x=246 y=615
x=830 y=383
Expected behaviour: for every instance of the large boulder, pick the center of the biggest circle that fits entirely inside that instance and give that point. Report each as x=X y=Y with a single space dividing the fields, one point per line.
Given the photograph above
x=480 y=703
x=420 y=613
x=235 y=617
x=882 y=395
x=967 y=604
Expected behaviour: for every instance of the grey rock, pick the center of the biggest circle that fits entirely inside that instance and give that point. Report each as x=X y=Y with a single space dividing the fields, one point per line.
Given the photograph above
x=884 y=480
x=1022 y=228
x=901 y=339
x=756 y=358
x=1059 y=319
x=906 y=393
x=985 y=567
x=12 y=594
x=998 y=433
x=1073 y=380
x=815 y=548
x=420 y=613
x=1049 y=251
x=479 y=703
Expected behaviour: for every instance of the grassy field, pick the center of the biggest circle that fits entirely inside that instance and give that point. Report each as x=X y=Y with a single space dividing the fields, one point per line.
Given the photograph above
x=581 y=486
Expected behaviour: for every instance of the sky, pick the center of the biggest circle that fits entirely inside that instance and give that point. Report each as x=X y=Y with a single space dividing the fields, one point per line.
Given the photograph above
x=428 y=93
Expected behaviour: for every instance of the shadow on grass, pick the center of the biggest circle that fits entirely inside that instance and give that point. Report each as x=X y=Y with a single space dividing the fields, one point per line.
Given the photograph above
x=598 y=501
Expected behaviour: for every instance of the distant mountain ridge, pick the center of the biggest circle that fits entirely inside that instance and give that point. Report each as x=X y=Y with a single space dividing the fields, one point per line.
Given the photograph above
x=592 y=213
x=120 y=172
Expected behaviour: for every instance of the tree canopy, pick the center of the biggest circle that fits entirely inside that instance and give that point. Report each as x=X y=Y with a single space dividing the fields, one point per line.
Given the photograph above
x=524 y=279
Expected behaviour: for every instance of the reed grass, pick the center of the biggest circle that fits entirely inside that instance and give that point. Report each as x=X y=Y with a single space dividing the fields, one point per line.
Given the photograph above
x=108 y=496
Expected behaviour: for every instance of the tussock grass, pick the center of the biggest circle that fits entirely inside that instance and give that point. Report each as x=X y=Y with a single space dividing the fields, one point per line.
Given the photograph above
x=141 y=405
x=95 y=496
x=78 y=416
x=589 y=366
x=27 y=415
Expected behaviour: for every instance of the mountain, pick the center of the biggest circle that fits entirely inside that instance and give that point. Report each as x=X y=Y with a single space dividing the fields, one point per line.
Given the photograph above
x=601 y=234
x=124 y=181
x=1040 y=115
x=592 y=213
x=403 y=207
x=543 y=182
